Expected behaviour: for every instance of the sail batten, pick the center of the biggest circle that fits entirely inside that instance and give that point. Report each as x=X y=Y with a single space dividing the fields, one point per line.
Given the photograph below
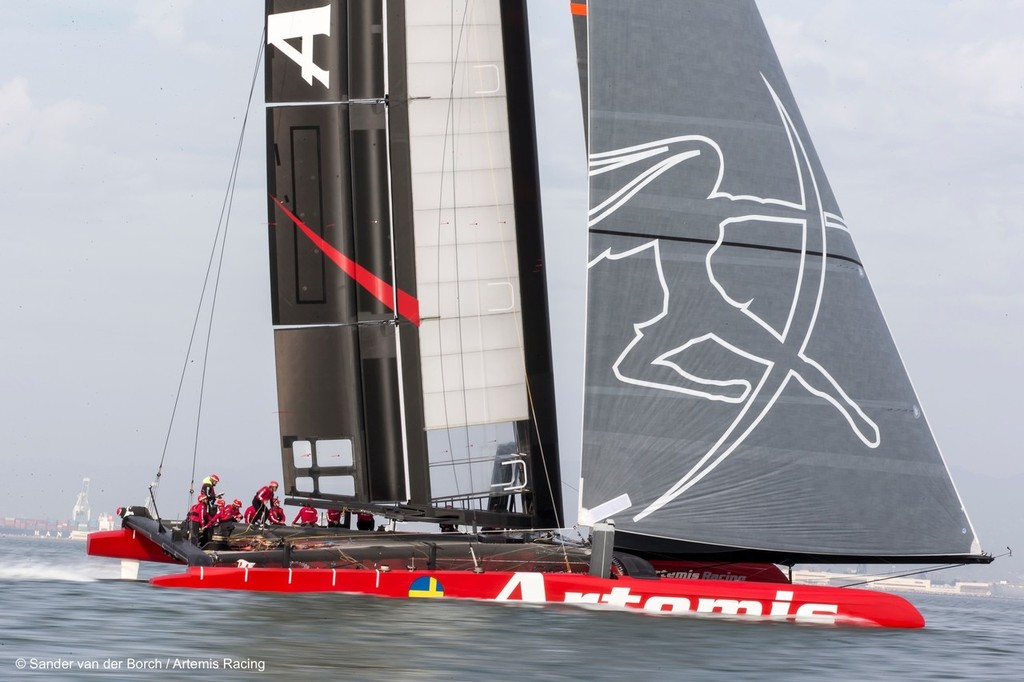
x=742 y=388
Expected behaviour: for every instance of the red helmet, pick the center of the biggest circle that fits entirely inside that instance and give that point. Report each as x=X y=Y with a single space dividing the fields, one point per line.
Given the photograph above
x=215 y=478
x=220 y=503
x=236 y=503
x=202 y=498
x=273 y=484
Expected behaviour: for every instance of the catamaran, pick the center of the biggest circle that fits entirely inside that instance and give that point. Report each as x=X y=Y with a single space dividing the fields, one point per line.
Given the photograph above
x=745 y=407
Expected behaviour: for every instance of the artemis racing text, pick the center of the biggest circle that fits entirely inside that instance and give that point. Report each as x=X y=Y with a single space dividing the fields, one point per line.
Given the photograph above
x=530 y=587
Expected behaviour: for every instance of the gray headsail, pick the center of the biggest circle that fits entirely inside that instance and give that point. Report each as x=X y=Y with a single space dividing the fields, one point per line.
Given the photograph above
x=408 y=290
x=744 y=397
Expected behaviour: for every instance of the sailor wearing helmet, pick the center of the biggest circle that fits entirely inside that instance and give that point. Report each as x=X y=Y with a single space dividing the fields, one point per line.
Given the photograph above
x=261 y=501
x=208 y=490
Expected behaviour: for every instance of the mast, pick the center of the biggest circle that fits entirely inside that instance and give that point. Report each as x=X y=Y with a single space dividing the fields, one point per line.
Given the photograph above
x=409 y=305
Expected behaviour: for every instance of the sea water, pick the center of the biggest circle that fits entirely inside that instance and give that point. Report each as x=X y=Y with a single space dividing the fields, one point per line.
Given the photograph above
x=67 y=616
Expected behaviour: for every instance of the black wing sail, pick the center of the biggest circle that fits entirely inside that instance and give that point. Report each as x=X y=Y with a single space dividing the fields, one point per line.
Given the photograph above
x=744 y=397
x=410 y=312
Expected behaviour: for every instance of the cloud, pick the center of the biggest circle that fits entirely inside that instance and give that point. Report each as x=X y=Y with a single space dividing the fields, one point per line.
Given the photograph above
x=988 y=77
x=164 y=21
x=30 y=130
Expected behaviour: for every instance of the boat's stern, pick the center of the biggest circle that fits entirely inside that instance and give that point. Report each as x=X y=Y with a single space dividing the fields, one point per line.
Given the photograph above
x=143 y=538
x=127 y=544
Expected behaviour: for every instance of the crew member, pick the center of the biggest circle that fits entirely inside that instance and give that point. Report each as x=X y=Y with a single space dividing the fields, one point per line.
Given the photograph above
x=334 y=518
x=307 y=516
x=364 y=521
x=197 y=519
x=208 y=489
x=225 y=512
x=261 y=502
x=275 y=515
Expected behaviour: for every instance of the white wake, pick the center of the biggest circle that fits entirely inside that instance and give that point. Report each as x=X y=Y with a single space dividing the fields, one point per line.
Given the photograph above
x=37 y=569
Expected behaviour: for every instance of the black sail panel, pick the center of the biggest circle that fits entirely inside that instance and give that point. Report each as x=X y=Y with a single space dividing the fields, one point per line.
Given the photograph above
x=743 y=392
x=308 y=172
x=335 y=299
x=320 y=403
x=408 y=277
x=306 y=51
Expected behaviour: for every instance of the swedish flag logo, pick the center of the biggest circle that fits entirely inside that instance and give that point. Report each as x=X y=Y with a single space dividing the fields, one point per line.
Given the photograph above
x=426 y=587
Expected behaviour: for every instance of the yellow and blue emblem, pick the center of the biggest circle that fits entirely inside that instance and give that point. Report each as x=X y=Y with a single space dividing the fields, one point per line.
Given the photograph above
x=426 y=587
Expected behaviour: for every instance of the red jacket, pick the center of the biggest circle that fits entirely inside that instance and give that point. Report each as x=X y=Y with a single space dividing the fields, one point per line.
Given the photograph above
x=226 y=513
x=307 y=516
x=276 y=516
x=264 y=494
x=250 y=513
x=197 y=514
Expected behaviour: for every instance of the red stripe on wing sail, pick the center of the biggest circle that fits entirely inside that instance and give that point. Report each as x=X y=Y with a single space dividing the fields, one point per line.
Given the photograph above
x=408 y=305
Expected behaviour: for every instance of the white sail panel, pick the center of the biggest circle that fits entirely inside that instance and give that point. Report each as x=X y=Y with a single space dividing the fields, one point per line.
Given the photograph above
x=466 y=256
x=471 y=335
x=470 y=188
x=477 y=113
x=475 y=225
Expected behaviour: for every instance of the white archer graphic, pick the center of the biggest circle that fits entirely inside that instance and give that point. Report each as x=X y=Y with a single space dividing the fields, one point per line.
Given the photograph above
x=784 y=357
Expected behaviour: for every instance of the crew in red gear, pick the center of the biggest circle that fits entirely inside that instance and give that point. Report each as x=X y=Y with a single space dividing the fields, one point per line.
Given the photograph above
x=364 y=521
x=334 y=518
x=275 y=515
x=197 y=514
x=261 y=501
x=307 y=516
x=225 y=513
x=197 y=520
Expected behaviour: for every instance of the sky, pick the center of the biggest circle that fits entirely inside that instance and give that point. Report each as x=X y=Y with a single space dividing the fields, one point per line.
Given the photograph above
x=118 y=127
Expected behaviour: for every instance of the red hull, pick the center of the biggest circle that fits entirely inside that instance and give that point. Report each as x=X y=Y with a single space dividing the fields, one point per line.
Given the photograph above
x=735 y=598
x=745 y=600
x=125 y=543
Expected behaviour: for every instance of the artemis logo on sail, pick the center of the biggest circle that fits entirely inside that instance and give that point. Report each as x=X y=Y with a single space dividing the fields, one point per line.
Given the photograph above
x=531 y=587
x=303 y=25
x=773 y=338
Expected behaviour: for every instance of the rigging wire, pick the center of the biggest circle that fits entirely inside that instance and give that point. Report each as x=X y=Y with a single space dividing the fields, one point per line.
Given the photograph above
x=225 y=219
x=454 y=46
x=219 y=239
